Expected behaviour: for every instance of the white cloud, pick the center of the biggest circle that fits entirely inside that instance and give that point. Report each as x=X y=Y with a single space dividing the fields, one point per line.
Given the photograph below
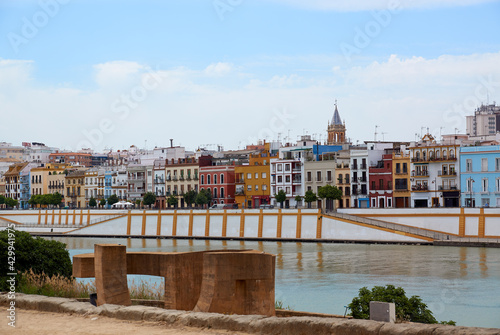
x=363 y=5
x=398 y=94
x=218 y=69
x=116 y=72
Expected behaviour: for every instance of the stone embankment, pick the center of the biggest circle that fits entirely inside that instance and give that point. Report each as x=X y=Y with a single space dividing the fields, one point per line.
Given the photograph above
x=239 y=323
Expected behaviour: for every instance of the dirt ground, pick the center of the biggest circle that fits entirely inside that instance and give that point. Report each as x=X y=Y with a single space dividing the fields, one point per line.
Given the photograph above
x=43 y=323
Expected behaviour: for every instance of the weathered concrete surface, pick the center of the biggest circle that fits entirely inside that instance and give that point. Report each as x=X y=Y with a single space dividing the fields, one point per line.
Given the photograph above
x=217 y=281
x=243 y=323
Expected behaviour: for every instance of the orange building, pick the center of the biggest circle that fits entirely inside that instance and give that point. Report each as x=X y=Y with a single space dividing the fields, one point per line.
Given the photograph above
x=253 y=180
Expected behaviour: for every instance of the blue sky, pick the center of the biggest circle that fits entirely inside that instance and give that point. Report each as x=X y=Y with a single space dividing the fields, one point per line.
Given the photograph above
x=232 y=71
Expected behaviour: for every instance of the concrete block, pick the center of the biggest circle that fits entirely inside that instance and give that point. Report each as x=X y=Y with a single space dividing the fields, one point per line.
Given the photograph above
x=110 y=265
x=383 y=311
x=131 y=313
x=77 y=307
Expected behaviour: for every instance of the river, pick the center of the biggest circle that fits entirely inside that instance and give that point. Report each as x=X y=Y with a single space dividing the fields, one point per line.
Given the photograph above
x=457 y=283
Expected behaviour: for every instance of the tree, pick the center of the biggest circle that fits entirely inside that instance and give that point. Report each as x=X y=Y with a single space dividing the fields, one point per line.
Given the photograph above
x=102 y=202
x=309 y=197
x=11 y=202
x=56 y=199
x=138 y=202
x=38 y=254
x=298 y=199
x=172 y=200
x=203 y=197
x=189 y=197
x=149 y=199
x=410 y=309
x=92 y=202
x=329 y=193
x=280 y=197
x=113 y=199
x=2 y=199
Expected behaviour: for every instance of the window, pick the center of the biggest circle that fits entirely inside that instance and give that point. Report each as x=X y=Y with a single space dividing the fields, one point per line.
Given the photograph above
x=318 y=175
x=287 y=190
x=249 y=176
x=215 y=180
x=222 y=179
x=264 y=187
x=381 y=184
x=280 y=179
x=328 y=175
x=215 y=192
x=287 y=167
x=498 y=185
x=256 y=187
x=208 y=179
x=484 y=164
x=202 y=179
x=222 y=192
x=287 y=178
x=280 y=167
x=256 y=175
x=468 y=165
x=497 y=164
x=484 y=185
x=398 y=167
x=309 y=178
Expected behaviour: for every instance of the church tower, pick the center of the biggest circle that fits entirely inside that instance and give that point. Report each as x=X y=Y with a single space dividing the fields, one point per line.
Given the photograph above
x=336 y=129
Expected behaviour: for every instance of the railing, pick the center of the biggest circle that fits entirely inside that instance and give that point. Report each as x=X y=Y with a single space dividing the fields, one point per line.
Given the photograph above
x=354 y=166
x=447 y=173
x=240 y=180
x=447 y=188
x=424 y=173
x=363 y=166
x=419 y=188
x=401 y=189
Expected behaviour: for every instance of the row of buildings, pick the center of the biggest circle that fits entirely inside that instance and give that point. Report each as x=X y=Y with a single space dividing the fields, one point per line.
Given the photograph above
x=456 y=170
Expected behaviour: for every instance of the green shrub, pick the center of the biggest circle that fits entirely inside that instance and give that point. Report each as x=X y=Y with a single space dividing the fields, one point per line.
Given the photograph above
x=407 y=309
x=37 y=254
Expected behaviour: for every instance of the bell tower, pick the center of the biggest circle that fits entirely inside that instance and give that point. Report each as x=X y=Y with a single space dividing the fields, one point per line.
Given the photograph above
x=336 y=129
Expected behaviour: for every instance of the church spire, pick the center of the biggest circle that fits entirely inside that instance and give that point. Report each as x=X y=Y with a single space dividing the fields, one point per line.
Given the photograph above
x=336 y=129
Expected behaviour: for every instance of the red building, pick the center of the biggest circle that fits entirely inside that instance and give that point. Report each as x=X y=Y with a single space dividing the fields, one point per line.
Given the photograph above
x=219 y=180
x=380 y=178
x=73 y=158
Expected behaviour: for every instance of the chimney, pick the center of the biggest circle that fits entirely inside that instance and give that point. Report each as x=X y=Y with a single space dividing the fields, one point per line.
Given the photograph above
x=171 y=142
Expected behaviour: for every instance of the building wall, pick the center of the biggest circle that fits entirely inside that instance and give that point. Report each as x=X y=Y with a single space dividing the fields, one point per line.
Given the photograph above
x=401 y=183
x=486 y=177
x=211 y=177
x=318 y=174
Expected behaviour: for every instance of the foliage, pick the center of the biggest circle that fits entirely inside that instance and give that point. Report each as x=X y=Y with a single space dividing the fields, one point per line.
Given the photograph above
x=309 y=197
x=149 y=199
x=280 y=197
x=92 y=202
x=172 y=200
x=203 y=197
x=38 y=254
x=113 y=199
x=330 y=192
x=11 y=202
x=410 y=309
x=2 y=199
x=138 y=202
x=60 y=286
x=190 y=197
x=278 y=304
x=102 y=202
x=54 y=199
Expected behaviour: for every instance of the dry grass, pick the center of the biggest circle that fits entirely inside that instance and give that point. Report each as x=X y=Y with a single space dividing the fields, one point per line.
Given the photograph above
x=59 y=286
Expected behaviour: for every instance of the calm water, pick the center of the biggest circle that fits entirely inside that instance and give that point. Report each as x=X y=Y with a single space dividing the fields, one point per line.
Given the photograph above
x=460 y=284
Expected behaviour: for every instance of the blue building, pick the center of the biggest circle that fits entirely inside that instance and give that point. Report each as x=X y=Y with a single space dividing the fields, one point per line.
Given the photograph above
x=108 y=179
x=25 y=192
x=480 y=176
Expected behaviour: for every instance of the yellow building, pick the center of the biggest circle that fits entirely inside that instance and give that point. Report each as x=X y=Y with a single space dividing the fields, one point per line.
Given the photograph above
x=75 y=189
x=401 y=179
x=253 y=180
x=40 y=180
x=181 y=177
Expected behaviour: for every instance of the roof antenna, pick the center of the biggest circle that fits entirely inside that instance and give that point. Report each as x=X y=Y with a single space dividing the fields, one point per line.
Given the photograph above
x=376 y=132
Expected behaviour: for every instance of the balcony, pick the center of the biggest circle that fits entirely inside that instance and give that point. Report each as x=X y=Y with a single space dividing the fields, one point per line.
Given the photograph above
x=417 y=188
x=239 y=192
x=399 y=172
x=296 y=181
x=354 y=166
x=424 y=173
x=340 y=181
x=447 y=188
x=240 y=180
x=447 y=173
x=363 y=166
x=401 y=189
x=159 y=180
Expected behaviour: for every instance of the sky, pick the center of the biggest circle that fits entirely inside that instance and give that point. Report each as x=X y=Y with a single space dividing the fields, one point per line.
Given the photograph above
x=109 y=74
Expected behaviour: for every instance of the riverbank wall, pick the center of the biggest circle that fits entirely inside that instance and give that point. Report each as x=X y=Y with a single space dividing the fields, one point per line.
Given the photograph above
x=252 y=324
x=459 y=225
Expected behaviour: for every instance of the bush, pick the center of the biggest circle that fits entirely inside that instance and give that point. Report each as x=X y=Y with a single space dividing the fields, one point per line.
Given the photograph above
x=407 y=309
x=37 y=254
